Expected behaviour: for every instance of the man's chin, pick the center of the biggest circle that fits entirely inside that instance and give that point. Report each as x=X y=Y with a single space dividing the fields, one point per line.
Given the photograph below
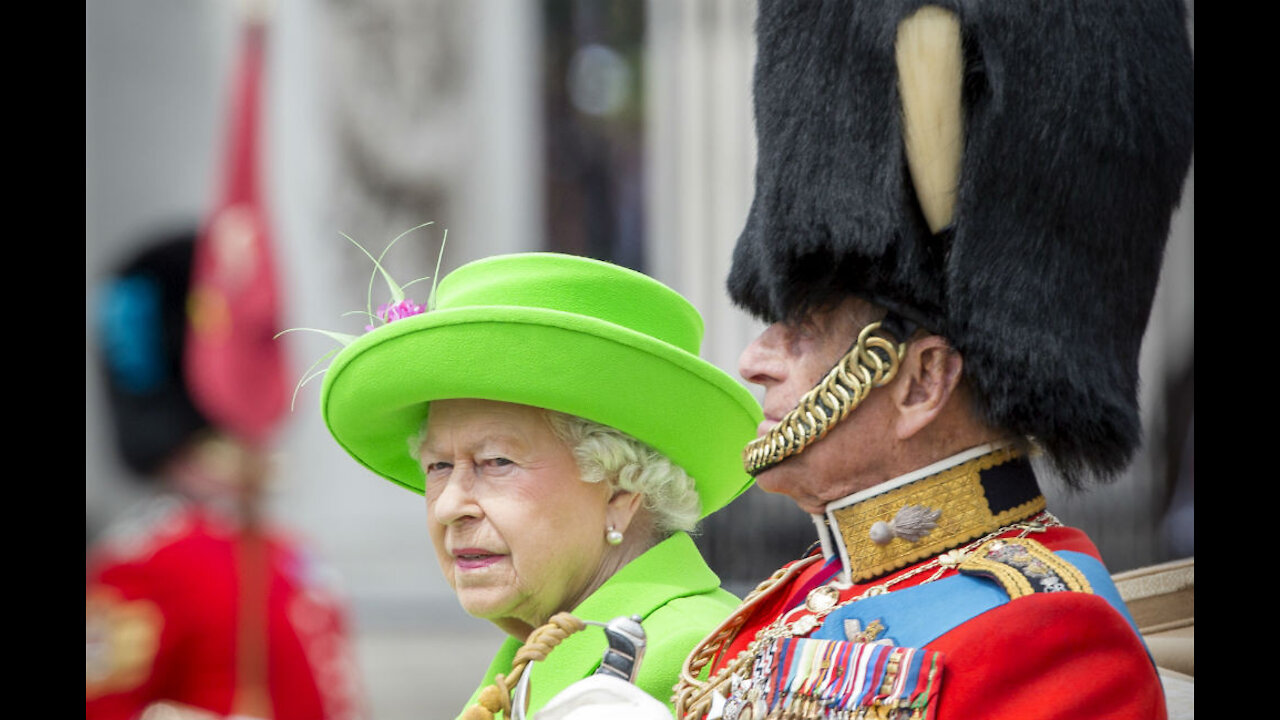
x=784 y=479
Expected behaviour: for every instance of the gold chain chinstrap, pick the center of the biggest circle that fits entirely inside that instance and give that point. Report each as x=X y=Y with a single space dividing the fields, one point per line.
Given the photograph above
x=872 y=362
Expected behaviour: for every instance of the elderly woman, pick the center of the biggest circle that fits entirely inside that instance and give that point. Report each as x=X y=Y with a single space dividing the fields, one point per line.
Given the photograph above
x=555 y=414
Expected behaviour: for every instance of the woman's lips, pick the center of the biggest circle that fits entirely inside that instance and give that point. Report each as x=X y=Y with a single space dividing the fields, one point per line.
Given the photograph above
x=474 y=558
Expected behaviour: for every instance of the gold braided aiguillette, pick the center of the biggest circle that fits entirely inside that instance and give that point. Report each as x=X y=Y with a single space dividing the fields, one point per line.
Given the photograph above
x=860 y=370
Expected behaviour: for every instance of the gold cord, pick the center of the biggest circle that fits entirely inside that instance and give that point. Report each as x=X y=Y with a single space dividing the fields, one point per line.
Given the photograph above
x=497 y=697
x=860 y=370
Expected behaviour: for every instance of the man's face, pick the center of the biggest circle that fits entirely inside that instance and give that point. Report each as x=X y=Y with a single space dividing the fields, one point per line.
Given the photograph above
x=787 y=360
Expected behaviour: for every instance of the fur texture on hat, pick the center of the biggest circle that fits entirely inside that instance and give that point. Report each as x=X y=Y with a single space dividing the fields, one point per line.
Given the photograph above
x=1078 y=135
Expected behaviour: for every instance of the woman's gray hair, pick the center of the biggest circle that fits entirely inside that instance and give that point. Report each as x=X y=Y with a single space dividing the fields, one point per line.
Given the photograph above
x=606 y=454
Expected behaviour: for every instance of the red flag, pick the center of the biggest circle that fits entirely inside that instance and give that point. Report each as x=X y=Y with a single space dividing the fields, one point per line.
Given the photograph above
x=235 y=367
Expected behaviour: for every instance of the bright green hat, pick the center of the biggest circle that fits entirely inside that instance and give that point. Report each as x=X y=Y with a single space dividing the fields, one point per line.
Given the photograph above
x=561 y=332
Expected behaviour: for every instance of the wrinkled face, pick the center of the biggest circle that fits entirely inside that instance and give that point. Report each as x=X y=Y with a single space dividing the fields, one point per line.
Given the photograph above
x=518 y=535
x=788 y=360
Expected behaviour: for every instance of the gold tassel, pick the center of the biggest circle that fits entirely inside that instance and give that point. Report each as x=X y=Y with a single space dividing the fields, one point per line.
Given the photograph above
x=497 y=696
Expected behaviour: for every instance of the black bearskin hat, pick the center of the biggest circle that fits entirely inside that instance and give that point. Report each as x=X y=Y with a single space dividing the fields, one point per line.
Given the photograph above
x=1077 y=138
x=141 y=330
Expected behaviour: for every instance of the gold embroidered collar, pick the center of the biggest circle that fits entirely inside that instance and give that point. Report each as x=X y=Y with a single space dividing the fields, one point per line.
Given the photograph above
x=930 y=511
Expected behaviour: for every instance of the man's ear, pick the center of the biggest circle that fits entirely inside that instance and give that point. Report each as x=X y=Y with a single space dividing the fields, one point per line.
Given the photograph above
x=926 y=382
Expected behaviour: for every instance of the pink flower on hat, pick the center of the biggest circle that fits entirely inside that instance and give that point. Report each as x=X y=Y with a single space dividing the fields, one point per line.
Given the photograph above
x=399 y=308
x=390 y=312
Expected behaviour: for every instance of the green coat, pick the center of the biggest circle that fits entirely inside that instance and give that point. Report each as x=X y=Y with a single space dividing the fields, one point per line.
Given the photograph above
x=670 y=587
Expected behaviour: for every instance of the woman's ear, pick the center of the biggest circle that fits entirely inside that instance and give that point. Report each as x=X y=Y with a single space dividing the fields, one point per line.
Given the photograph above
x=927 y=381
x=622 y=510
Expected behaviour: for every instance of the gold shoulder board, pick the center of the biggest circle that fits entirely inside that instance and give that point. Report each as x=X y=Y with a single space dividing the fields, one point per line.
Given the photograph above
x=1022 y=567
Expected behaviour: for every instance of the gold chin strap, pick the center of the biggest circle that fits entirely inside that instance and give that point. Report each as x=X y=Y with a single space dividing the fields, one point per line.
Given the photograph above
x=872 y=362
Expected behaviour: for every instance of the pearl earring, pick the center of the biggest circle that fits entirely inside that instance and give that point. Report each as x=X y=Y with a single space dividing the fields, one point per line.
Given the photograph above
x=613 y=537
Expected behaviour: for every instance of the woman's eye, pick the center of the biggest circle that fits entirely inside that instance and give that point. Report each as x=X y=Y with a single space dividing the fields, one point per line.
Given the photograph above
x=438 y=467
x=498 y=462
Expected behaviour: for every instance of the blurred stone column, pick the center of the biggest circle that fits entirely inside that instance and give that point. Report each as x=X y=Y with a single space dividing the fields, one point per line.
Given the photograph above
x=701 y=156
x=701 y=159
x=435 y=117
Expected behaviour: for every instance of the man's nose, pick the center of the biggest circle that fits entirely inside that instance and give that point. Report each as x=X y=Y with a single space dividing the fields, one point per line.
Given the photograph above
x=762 y=361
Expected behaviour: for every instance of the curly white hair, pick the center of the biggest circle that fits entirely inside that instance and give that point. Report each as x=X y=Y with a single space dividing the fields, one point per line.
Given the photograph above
x=606 y=454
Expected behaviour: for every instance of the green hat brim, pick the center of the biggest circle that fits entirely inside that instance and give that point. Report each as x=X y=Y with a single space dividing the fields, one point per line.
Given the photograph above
x=376 y=392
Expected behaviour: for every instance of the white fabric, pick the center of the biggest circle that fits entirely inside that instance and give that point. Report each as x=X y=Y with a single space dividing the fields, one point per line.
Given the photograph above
x=1179 y=694
x=603 y=696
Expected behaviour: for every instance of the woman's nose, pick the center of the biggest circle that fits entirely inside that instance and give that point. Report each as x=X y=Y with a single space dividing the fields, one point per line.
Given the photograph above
x=456 y=498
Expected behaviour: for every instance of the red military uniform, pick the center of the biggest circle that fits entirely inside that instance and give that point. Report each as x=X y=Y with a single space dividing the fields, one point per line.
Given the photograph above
x=184 y=607
x=996 y=612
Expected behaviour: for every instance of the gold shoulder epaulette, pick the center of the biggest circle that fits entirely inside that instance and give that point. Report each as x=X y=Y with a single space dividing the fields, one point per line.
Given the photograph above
x=1023 y=566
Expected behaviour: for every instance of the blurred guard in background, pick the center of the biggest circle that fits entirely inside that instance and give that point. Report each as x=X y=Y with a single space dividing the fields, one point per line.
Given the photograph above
x=194 y=603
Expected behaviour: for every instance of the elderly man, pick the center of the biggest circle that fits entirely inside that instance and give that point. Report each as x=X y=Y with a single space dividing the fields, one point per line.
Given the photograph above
x=959 y=218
